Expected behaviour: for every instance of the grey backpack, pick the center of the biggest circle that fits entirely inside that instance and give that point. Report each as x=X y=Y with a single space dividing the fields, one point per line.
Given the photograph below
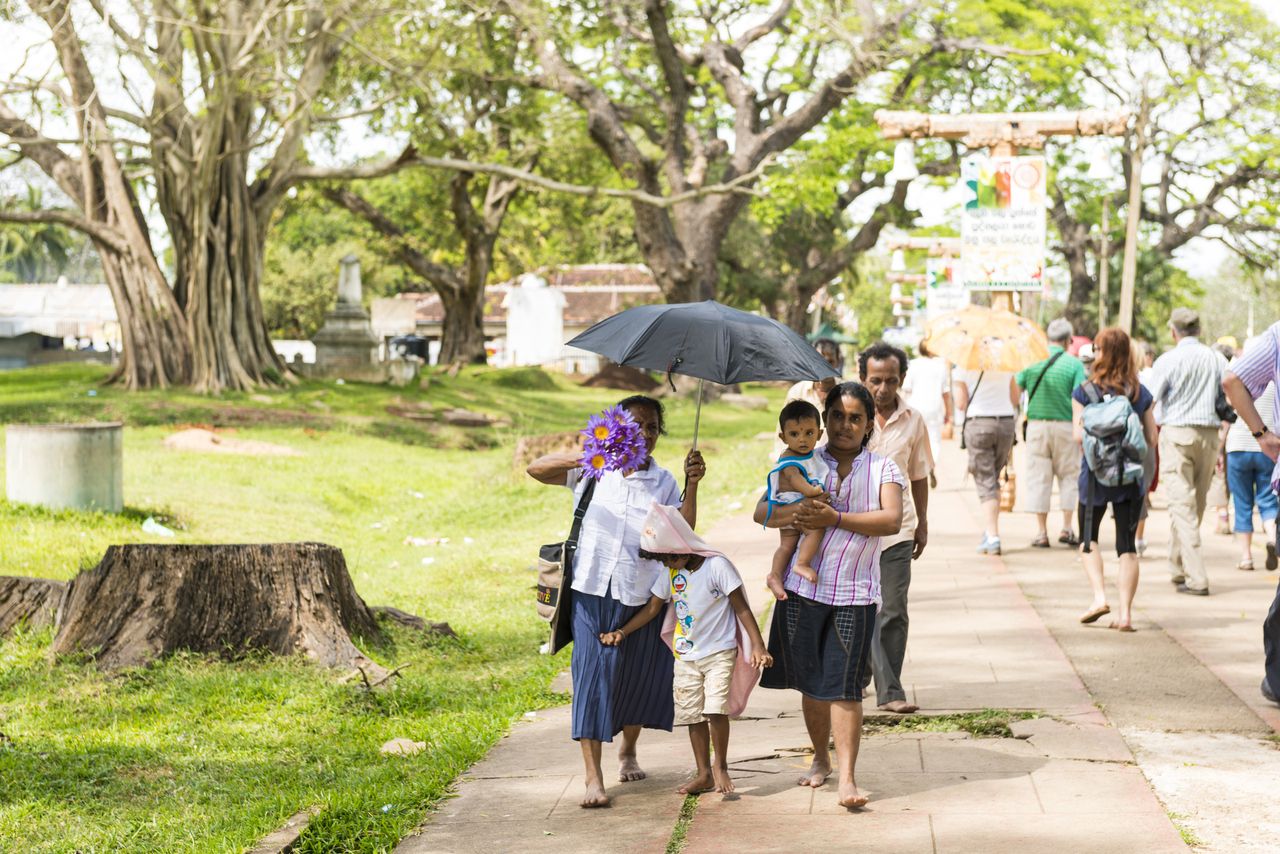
x=1114 y=446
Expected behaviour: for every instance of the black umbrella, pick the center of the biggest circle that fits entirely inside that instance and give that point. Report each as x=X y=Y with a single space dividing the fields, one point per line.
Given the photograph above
x=706 y=340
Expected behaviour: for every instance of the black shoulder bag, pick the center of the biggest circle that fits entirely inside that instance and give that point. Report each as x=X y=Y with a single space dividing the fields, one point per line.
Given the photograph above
x=555 y=577
x=1036 y=387
x=964 y=428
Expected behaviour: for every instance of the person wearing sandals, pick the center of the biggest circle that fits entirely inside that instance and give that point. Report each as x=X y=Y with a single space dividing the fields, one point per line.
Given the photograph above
x=1113 y=372
x=1052 y=452
x=1249 y=477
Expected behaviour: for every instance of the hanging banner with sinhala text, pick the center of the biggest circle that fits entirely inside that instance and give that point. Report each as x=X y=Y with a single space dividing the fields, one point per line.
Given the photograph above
x=944 y=292
x=1003 y=223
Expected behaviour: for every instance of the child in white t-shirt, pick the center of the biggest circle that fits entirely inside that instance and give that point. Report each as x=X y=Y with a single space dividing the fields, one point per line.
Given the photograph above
x=710 y=614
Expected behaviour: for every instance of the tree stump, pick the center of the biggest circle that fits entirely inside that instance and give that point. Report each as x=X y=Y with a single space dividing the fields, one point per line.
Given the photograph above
x=32 y=599
x=144 y=601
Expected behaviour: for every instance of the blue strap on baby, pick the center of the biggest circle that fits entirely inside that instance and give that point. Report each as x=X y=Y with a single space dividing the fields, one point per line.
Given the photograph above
x=784 y=462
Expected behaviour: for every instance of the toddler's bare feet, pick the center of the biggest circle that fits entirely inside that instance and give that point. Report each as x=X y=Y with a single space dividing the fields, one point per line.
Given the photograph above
x=702 y=782
x=850 y=797
x=774 y=583
x=806 y=572
x=595 y=797
x=724 y=783
x=816 y=775
x=629 y=770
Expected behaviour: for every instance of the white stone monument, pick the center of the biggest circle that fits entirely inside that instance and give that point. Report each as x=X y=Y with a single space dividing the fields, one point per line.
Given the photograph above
x=346 y=345
x=535 y=322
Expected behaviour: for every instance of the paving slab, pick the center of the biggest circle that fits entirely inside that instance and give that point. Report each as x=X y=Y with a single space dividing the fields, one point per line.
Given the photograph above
x=1065 y=739
x=1096 y=833
x=760 y=834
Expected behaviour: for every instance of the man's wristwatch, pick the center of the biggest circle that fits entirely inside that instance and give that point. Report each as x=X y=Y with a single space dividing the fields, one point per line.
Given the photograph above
x=1258 y=435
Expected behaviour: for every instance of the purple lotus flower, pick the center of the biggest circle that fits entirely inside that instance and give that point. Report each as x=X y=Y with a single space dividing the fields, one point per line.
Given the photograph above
x=614 y=442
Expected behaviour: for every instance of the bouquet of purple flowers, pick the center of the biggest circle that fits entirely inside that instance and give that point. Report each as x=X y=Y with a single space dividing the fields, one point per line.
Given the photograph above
x=614 y=442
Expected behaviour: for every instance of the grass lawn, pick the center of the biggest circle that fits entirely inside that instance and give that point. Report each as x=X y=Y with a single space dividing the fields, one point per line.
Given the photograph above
x=191 y=754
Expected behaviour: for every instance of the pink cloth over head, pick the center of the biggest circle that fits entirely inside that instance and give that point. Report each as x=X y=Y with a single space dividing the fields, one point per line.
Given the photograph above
x=666 y=532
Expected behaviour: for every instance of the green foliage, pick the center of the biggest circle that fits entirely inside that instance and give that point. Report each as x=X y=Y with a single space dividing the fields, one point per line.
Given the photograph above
x=190 y=754
x=39 y=252
x=988 y=723
x=300 y=268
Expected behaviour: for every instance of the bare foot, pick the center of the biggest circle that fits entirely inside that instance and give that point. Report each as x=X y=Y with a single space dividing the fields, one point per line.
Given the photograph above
x=724 y=783
x=850 y=797
x=816 y=775
x=701 y=782
x=806 y=572
x=628 y=769
x=595 y=797
x=774 y=583
x=898 y=707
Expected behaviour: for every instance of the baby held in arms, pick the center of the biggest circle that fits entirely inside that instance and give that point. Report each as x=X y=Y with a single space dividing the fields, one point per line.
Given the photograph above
x=799 y=474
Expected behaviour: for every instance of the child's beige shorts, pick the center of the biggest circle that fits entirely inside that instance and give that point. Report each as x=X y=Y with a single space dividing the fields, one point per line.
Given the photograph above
x=702 y=686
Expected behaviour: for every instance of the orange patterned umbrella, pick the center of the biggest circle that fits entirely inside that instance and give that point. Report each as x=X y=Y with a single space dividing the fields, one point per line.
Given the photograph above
x=978 y=338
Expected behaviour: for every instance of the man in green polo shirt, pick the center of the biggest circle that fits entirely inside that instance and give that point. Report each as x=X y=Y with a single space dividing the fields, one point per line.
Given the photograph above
x=1052 y=451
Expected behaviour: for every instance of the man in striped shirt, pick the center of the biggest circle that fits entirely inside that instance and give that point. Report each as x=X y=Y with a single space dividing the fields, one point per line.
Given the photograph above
x=1245 y=382
x=1187 y=379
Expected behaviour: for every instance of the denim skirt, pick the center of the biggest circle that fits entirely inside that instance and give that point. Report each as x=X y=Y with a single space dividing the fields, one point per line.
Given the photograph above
x=618 y=686
x=822 y=651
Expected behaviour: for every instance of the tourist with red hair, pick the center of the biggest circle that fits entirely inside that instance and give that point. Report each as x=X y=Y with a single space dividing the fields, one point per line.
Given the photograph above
x=1119 y=480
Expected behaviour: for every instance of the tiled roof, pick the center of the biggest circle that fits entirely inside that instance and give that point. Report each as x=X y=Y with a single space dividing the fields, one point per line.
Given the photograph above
x=592 y=293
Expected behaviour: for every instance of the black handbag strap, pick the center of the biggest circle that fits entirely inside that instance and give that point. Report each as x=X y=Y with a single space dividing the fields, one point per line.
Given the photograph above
x=579 y=513
x=1040 y=378
x=968 y=403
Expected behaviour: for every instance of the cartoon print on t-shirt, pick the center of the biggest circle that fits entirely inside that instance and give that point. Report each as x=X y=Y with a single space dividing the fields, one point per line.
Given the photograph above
x=682 y=644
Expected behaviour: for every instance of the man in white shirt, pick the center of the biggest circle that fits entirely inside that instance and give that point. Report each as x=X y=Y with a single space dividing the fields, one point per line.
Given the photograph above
x=1186 y=385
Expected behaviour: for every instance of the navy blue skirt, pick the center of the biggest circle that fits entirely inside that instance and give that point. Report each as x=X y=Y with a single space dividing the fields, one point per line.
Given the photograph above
x=618 y=686
x=822 y=651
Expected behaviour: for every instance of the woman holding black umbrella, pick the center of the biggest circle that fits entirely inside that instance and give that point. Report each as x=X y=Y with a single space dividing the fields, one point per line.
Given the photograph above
x=627 y=687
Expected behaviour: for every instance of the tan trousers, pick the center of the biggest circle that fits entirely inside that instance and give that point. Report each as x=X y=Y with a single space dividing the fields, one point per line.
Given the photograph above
x=1052 y=453
x=1188 y=456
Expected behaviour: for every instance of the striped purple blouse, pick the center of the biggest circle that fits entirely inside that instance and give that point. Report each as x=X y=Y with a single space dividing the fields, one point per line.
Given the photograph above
x=848 y=564
x=1259 y=366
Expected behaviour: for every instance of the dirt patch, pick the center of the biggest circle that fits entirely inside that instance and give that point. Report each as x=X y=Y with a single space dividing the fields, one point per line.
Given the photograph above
x=201 y=441
x=234 y=416
x=624 y=379
x=529 y=448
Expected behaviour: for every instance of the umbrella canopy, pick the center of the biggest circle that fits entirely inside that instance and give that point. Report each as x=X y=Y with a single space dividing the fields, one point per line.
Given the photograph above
x=706 y=340
x=978 y=338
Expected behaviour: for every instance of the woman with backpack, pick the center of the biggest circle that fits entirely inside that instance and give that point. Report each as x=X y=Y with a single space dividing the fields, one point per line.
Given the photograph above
x=1117 y=430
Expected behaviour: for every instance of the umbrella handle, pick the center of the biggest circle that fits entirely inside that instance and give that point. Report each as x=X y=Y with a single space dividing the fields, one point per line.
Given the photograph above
x=697 y=417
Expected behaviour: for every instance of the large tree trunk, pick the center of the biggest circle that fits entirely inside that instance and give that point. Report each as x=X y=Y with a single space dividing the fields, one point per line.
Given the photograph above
x=462 y=333
x=218 y=241
x=32 y=601
x=799 y=293
x=156 y=352
x=144 y=601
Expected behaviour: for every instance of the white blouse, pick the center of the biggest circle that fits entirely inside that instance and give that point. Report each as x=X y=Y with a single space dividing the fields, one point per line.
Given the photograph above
x=607 y=560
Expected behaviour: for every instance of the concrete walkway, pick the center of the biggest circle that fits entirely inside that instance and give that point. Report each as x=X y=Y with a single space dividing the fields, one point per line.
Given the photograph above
x=1183 y=691
x=1069 y=781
